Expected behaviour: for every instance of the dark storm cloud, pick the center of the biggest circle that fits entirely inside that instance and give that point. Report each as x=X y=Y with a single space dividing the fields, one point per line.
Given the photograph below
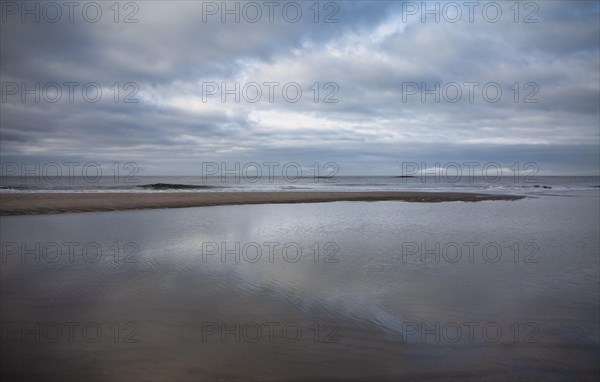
x=370 y=54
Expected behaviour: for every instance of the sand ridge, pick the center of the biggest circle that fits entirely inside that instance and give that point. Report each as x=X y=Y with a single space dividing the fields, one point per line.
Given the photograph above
x=52 y=203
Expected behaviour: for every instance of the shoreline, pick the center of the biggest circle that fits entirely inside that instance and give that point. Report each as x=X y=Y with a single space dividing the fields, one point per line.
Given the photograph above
x=54 y=203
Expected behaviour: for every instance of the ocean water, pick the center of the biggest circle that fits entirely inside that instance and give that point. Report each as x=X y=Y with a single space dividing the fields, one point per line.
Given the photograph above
x=495 y=291
x=240 y=182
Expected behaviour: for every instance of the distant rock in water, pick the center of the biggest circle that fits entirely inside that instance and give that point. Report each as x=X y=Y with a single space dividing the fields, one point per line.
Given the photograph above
x=406 y=176
x=2 y=187
x=540 y=186
x=169 y=186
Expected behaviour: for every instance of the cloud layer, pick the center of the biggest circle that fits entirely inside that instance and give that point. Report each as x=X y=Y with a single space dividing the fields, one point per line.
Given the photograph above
x=381 y=83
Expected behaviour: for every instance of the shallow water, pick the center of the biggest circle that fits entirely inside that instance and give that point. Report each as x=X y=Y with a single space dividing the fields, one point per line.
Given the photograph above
x=378 y=290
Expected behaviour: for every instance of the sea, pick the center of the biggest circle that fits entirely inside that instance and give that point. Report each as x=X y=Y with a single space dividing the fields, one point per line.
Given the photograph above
x=240 y=183
x=346 y=291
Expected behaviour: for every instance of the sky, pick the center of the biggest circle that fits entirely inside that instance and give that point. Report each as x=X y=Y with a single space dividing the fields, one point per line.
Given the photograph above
x=370 y=86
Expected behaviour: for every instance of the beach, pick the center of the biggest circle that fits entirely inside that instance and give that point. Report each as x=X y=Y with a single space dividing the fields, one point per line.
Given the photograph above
x=51 y=203
x=292 y=191
x=493 y=290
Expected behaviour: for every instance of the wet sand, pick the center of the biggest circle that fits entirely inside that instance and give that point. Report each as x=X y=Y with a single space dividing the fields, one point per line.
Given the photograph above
x=52 y=203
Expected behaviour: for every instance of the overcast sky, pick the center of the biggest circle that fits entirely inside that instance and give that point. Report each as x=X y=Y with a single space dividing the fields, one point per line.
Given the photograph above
x=370 y=61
